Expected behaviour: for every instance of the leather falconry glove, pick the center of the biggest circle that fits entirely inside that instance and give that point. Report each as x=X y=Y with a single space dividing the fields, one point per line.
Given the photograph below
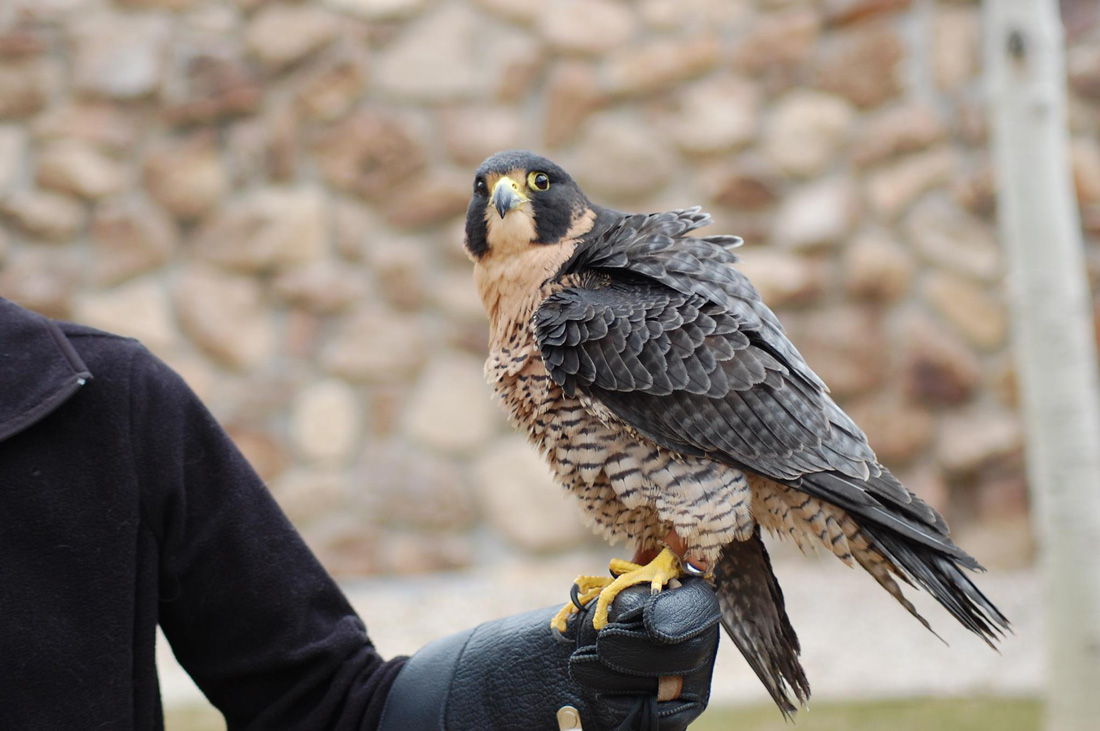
x=649 y=669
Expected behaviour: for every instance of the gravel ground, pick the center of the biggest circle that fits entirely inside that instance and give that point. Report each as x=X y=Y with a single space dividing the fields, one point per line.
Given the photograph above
x=857 y=642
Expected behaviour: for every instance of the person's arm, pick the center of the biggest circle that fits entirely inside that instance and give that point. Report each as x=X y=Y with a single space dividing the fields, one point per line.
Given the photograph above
x=273 y=643
x=250 y=613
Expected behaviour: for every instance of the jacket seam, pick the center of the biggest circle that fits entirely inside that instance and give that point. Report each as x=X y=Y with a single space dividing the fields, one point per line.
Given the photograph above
x=61 y=340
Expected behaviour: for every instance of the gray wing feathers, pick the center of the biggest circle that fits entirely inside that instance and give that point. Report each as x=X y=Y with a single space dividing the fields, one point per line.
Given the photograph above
x=655 y=246
x=683 y=369
x=680 y=325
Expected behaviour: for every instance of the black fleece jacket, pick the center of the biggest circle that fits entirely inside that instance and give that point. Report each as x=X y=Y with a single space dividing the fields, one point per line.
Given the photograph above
x=124 y=505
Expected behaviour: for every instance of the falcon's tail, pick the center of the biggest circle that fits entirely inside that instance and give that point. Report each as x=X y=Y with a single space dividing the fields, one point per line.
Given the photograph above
x=942 y=576
x=754 y=617
x=903 y=536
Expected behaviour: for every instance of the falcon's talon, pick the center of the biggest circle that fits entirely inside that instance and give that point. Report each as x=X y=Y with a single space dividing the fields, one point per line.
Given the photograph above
x=583 y=591
x=657 y=573
x=573 y=596
x=692 y=570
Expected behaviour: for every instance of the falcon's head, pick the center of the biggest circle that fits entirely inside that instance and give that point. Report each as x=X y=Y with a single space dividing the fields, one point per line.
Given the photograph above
x=523 y=200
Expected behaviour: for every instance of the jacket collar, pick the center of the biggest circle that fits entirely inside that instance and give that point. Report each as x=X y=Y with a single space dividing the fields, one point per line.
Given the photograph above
x=39 y=369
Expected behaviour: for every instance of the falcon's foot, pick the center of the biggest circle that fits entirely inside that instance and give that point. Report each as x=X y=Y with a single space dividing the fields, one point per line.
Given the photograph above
x=585 y=589
x=658 y=572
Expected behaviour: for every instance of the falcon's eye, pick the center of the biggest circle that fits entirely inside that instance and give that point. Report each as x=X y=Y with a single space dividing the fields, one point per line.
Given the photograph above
x=538 y=181
x=480 y=188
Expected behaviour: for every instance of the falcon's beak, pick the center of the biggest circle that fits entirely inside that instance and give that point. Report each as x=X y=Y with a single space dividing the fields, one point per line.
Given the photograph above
x=507 y=196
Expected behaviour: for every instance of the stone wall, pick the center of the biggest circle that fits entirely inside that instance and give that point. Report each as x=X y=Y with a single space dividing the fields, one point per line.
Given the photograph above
x=270 y=196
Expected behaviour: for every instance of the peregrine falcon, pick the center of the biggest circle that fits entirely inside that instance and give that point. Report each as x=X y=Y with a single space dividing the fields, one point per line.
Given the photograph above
x=666 y=397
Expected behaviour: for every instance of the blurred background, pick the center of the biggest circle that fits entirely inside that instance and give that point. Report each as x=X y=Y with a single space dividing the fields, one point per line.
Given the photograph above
x=270 y=196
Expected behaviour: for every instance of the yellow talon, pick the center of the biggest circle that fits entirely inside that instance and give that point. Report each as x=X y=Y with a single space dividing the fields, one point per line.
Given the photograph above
x=588 y=588
x=658 y=572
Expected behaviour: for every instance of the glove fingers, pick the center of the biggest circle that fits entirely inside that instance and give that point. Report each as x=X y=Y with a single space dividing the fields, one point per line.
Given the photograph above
x=689 y=611
x=621 y=649
x=587 y=669
x=634 y=668
x=673 y=633
x=620 y=688
x=670 y=615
